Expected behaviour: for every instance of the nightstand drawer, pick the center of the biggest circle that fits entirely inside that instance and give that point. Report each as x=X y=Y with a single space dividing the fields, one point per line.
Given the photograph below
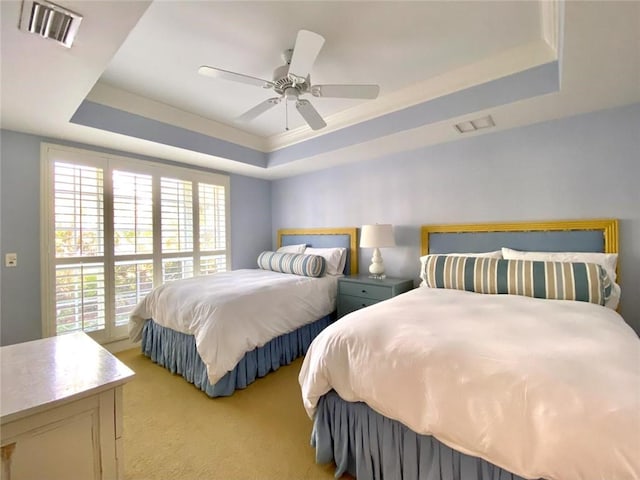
x=375 y=292
x=359 y=291
x=348 y=304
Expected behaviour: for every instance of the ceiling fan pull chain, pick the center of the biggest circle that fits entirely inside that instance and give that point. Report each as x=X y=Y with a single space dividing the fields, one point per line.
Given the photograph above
x=286 y=116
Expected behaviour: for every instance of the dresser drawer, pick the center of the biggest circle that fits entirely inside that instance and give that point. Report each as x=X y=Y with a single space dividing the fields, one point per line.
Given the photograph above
x=374 y=292
x=348 y=304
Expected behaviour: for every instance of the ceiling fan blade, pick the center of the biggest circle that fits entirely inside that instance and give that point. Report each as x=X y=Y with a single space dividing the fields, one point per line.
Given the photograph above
x=310 y=114
x=346 y=91
x=305 y=52
x=258 y=109
x=233 y=76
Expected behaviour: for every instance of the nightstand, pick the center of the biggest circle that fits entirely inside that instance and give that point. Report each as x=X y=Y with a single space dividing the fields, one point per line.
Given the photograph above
x=359 y=291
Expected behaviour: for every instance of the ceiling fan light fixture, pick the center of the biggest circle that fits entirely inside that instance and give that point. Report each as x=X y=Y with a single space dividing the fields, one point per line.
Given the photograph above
x=291 y=94
x=293 y=80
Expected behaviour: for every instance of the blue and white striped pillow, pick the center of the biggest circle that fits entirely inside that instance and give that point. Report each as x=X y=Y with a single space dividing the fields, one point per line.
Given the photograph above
x=295 y=263
x=585 y=282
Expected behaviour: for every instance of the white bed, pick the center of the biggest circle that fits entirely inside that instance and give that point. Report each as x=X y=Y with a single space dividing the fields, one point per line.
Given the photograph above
x=535 y=388
x=222 y=331
x=232 y=313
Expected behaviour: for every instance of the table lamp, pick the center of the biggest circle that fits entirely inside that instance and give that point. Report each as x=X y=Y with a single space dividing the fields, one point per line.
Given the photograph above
x=377 y=236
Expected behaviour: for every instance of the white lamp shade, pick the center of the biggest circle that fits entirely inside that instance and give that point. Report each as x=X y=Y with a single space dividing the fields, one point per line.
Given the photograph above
x=377 y=236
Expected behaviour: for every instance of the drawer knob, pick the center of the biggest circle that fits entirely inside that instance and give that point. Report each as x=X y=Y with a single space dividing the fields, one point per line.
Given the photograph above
x=364 y=291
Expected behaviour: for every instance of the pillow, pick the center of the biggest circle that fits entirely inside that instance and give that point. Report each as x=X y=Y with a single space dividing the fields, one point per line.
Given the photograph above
x=335 y=258
x=495 y=254
x=292 y=248
x=580 y=281
x=295 y=263
x=607 y=260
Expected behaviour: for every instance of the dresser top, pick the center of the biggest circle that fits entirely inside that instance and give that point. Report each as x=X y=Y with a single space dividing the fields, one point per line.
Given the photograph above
x=45 y=373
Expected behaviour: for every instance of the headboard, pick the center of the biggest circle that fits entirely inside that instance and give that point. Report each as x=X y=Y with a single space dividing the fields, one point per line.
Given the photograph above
x=600 y=235
x=325 y=238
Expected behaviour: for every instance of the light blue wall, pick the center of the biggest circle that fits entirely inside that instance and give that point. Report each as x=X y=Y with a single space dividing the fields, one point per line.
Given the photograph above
x=250 y=224
x=20 y=217
x=250 y=220
x=581 y=167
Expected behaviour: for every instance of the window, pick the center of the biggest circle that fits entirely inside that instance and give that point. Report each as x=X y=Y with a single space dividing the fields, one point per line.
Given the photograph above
x=114 y=228
x=132 y=241
x=79 y=247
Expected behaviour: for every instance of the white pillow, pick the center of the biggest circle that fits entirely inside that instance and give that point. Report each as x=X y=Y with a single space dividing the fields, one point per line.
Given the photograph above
x=494 y=254
x=608 y=261
x=335 y=258
x=292 y=248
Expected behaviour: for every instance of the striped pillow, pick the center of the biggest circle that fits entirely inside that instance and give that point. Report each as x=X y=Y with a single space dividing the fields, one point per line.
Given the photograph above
x=296 y=263
x=584 y=282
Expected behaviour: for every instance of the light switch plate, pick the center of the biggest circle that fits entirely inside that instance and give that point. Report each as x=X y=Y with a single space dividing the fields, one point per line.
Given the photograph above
x=11 y=260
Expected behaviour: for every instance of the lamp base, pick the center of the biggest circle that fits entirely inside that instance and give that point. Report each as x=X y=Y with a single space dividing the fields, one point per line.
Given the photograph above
x=376 y=269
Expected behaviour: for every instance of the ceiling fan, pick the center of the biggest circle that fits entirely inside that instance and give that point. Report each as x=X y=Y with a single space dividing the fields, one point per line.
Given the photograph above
x=292 y=80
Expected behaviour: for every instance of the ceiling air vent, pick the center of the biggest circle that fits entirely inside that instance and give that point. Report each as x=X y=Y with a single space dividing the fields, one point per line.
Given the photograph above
x=473 y=125
x=50 y=21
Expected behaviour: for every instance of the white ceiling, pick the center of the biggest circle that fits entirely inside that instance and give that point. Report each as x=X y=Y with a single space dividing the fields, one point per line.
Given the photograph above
x=142 y=58
x=393 y=44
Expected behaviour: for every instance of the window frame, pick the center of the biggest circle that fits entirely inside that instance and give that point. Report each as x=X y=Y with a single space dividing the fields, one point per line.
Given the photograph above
x=49 y=154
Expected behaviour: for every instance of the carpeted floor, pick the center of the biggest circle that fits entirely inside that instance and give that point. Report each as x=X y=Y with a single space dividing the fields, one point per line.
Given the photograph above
x=174 y=431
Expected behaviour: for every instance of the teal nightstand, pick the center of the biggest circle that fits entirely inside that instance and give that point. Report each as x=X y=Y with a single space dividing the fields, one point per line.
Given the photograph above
x=359 y=291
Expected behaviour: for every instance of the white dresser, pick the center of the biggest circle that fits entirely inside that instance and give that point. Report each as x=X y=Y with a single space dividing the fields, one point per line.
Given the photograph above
x=61 y=410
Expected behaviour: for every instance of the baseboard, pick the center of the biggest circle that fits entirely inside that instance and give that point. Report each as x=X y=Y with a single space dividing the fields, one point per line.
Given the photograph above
x=121 y=345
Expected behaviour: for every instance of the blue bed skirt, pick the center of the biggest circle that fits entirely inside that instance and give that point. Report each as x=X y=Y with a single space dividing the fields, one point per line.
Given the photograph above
x=370 y=446
x=177 y=352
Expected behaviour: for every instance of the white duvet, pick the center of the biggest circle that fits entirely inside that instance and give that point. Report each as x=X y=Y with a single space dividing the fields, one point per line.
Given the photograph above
x=234 y=312
x=542 y=388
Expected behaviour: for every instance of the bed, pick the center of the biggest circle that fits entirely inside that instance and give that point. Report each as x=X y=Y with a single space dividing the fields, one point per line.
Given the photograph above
x=223 y=331
x=447 y=383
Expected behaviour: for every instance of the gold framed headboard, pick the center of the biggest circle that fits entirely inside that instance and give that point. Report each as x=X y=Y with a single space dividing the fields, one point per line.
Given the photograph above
x=323 y=238
x=608 y=228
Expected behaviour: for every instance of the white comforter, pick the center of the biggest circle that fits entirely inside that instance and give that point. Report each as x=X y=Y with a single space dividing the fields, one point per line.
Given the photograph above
x=234 y=312
x=543 y=388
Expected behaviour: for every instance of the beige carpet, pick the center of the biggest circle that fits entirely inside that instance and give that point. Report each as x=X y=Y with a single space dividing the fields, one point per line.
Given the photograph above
x=174 y=431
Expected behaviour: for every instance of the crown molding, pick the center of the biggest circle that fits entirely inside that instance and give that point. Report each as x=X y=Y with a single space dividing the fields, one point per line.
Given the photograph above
x=110 y=96
x=507 y=63
x=550 y=23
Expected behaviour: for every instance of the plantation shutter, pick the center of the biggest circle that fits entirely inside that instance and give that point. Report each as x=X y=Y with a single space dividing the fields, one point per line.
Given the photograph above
x=79 y=248
x=212 y=230
x=113 y=228
x=132 y=241
x=176 y=200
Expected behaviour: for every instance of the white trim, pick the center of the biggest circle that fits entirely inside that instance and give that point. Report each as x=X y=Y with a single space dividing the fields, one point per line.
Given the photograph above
x=137 y=105
x=502 y=65
x=121 y=345
x=109 y=256
x=517 y=59
x=46 y=249
x=550 y=23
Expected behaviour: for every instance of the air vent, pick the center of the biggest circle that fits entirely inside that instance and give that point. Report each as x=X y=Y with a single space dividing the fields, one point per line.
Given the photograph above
x=473 y=125
x=50 y=21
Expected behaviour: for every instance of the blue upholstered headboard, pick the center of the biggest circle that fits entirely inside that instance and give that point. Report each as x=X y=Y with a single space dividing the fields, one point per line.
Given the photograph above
x=555 y=236
x=324 y=238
